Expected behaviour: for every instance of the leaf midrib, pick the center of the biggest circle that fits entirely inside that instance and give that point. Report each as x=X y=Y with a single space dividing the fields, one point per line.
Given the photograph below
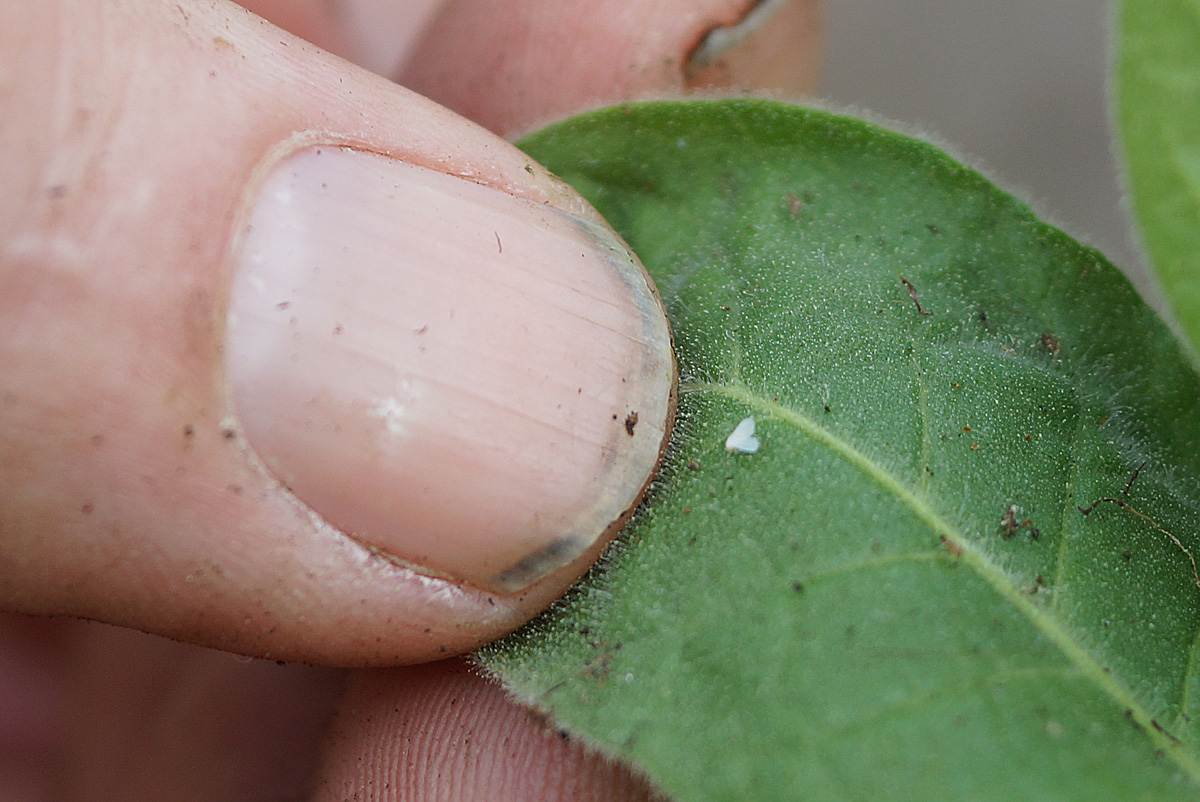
x=971 y=555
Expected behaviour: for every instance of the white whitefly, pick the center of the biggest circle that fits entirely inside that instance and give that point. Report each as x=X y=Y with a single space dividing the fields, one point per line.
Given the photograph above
x=742 y=440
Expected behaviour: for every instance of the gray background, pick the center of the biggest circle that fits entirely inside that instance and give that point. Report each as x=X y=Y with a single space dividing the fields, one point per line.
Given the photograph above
x=1017 y=87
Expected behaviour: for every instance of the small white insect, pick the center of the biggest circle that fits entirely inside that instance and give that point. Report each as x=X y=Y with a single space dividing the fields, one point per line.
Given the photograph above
x=742 y=440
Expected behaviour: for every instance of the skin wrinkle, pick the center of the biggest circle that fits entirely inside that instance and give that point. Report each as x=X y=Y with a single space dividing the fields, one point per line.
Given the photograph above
x=83 y=135
x=733 y=22
x=501 y=83
x=443 y=732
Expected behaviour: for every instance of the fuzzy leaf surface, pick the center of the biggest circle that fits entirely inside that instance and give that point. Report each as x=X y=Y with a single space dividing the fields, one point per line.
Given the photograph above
x=897 y=597
x=1157 y=77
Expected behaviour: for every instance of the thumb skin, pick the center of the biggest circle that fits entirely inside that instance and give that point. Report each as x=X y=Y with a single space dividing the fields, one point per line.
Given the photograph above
x=542 y=59
x=442 y=731
x=294 y=362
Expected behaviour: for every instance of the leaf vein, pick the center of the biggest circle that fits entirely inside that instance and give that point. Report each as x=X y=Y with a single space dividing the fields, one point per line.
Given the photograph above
x=914 y=703
x=1065 y=527
x=1189 y=676
x=974 y=557
x=884 y=561
x=923 y=418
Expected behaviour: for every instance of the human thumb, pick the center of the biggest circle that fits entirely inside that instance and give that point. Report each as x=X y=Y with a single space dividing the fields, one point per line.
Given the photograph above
x=294 y=362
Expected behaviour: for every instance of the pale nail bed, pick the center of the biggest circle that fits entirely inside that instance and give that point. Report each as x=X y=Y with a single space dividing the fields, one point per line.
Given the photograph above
x=474 y=384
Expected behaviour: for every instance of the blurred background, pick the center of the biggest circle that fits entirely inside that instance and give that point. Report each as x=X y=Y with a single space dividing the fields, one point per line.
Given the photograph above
x=1015 y=87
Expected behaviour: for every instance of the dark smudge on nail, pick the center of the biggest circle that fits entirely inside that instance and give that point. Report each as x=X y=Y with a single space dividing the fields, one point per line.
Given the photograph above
x=555 y=555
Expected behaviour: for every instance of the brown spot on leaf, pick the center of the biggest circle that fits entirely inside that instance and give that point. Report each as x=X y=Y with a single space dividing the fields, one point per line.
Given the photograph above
x=952 y=547
x=1050 y=343
x=794 y=204
x=912 y=293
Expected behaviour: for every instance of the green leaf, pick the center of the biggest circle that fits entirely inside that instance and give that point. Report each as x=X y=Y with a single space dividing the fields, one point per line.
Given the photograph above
x=898 y=597
x=1157 y=75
